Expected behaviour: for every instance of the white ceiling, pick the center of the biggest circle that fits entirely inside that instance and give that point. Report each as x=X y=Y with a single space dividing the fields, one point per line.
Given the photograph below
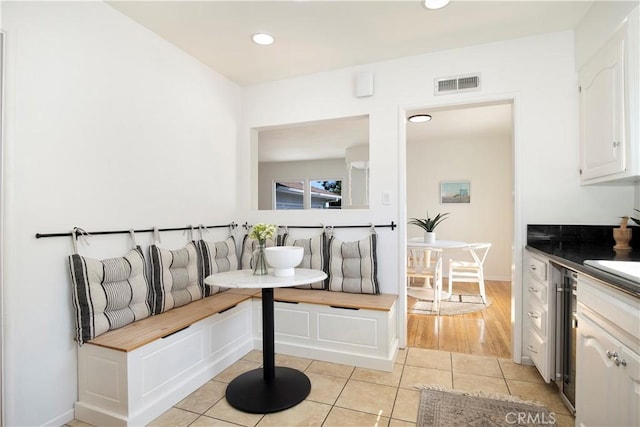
x=463 y=123
x=315 y=36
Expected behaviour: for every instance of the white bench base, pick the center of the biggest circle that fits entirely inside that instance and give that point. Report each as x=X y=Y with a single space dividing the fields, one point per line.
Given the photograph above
x=359 y=337
x=119 y=388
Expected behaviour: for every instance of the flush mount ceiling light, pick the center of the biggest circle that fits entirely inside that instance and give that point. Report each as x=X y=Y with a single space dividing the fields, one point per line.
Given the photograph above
x=435 y=4
x=262 y=39
x=419 y=118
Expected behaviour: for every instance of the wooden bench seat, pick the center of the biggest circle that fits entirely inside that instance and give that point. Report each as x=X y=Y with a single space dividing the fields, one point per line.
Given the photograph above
x=144 y=331
x=383 y=302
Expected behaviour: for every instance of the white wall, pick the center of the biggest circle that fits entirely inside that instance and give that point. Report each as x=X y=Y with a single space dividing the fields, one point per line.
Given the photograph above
x=538 y=73
x=107 y=127
x=485 y=161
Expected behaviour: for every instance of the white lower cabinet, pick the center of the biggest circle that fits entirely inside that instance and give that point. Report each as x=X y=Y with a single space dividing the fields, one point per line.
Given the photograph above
x=539 y=314
x=608 y=379
x=607 y=359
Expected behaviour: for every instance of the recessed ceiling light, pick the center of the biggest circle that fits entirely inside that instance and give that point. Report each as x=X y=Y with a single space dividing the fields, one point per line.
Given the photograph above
x=435 y=4
x=262 y=39
x=419 y=118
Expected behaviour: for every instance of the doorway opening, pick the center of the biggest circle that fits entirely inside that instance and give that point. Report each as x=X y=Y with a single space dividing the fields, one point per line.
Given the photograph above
x=471 y=148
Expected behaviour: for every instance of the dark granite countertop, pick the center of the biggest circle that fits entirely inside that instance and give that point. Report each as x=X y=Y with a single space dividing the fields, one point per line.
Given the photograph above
x=571 y=245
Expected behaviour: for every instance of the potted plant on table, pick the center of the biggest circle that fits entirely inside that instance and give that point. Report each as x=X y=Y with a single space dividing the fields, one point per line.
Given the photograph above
x=429 y=225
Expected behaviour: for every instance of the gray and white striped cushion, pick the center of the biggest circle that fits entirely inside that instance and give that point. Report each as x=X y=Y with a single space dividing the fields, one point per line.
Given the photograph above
x=174 y=277
x=353 y=266
x=108 y=294
x=216 y=257
x=314 y=256
x=248 y=246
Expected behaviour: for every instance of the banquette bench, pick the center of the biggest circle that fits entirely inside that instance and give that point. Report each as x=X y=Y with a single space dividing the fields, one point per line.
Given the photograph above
x=131 y=375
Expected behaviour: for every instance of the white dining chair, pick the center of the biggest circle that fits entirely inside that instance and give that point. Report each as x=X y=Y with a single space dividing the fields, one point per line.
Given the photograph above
x=421 y=263
x=426 y=263
x=470 y=271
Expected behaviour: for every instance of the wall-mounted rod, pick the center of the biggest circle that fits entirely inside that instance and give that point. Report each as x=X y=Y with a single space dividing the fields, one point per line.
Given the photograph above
x=392 y=226
x=144 y=230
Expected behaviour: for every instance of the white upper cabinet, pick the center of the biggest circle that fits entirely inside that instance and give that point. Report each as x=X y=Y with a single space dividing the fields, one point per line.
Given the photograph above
x=602 y=100
x=609 y=115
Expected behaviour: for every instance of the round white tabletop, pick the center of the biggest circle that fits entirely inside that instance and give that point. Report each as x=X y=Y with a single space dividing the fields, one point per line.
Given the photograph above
x=246 y=279
x=441 y=244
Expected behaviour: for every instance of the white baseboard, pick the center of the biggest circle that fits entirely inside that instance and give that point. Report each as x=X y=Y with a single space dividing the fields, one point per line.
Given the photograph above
x=60 y=420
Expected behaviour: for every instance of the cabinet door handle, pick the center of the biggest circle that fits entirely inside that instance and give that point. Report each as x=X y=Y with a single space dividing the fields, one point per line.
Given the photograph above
x=534 y=290
x=533 y=267
x=533 y=315
x=618 y=361
x=530 y=348
x=616 y=144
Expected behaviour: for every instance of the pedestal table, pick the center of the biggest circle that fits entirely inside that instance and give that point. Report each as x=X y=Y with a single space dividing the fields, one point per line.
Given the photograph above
x=270 y=388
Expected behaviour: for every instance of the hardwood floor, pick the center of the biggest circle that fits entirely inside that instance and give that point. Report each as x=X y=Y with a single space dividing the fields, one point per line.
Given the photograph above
x=486 y=333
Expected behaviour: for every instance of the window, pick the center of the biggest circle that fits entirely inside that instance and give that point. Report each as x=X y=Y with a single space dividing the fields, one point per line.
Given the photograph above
x=319 y=194
x=325 y=194
x=289 y=195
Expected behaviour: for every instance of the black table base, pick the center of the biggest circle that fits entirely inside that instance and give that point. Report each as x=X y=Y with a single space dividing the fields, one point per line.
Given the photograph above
x=270 y=388
x=250 y=393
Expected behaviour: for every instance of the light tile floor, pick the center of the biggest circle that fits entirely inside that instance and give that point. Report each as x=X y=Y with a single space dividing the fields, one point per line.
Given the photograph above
x=343 y=395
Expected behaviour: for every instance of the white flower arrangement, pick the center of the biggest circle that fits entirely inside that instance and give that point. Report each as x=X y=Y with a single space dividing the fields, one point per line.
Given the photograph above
x=261 y=232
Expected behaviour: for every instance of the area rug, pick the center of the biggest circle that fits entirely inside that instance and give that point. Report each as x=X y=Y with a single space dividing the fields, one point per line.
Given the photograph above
x=439 y=407
x=457 y=304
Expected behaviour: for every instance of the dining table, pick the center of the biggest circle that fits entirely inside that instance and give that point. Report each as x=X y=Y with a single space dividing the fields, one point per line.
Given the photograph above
x=270 y=388
x=438 y=244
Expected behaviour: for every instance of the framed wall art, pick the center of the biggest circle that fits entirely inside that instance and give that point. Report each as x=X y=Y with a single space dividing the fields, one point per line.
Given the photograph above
x=455 y=192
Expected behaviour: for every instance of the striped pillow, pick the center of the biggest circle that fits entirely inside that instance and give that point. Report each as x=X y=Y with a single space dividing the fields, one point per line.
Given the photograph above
x=174 y=277
x=314 y=256
x=108 y=294
x=216 y=257
x=353 y=266
x=248 y=246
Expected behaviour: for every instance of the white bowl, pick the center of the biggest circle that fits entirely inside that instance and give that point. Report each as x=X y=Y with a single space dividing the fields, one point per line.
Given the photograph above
x=284 y=259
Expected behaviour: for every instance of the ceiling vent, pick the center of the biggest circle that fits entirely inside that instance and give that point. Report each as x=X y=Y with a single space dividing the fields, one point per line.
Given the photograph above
x=457 y=84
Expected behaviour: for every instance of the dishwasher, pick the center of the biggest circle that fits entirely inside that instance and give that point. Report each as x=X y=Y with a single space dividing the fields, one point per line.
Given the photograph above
x=566 y=334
